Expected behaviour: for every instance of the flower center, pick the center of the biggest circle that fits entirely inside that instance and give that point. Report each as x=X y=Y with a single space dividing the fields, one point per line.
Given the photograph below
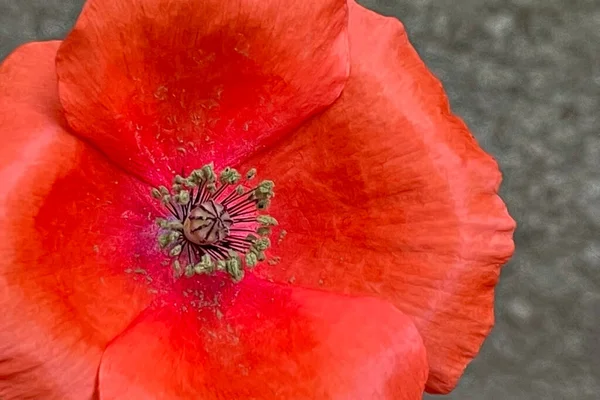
x=207 y=224
x=212 y=226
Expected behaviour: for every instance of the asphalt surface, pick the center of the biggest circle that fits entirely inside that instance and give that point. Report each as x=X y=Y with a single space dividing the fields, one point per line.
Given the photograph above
x=525 y=75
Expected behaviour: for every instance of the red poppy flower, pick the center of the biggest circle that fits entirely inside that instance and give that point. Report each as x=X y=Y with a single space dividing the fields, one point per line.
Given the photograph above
x=384 y=282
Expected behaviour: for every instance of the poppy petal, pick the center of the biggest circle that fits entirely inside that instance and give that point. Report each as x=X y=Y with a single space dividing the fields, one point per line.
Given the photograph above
x=388 y=193
x=67 y=218
x=161 y=85
x=268 y=341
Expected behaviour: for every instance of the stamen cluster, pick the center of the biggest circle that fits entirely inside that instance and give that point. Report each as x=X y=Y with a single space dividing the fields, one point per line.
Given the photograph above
x=215 y=223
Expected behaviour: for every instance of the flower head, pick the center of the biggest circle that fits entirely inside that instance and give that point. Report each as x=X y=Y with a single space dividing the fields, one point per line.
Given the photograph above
x=140 y=260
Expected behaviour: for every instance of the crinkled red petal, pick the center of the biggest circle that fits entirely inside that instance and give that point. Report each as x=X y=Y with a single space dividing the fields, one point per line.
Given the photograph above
x=260 y=340
x=162 y=86
x=72 y=223
x=388 y=193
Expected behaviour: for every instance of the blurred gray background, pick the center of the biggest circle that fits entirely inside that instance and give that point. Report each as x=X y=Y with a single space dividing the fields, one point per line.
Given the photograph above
x=525 y=75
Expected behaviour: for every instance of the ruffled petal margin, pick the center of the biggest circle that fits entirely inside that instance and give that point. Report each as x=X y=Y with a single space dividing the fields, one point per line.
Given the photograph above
x=387 y=193
x=162 y=86
x=266 y=341
x=72 y=223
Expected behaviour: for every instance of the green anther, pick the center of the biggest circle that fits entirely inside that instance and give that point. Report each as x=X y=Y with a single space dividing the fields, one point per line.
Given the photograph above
x=240 y=190
x=263 y=204
x=262 y=244
x=174 y=225
x=263 y=231
x=189 y=271
x=175 y=251
x=263 y=193
x=209 y=172
x=251 y=259
x=264 y=189
x=205 y=266
x=221 y=265
x=164 y=239
x=266 y=220
x=234 y=268
x=184 y=197
x=237 y=274
x=266 y=186
x=211 y=187
x=163 y=190
x=251 y=173
x=166 y=199
x=229 y=176
x=156 y=193
x=162 y=223
x=178 y=180
x=196 y=176
x=176 y=188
